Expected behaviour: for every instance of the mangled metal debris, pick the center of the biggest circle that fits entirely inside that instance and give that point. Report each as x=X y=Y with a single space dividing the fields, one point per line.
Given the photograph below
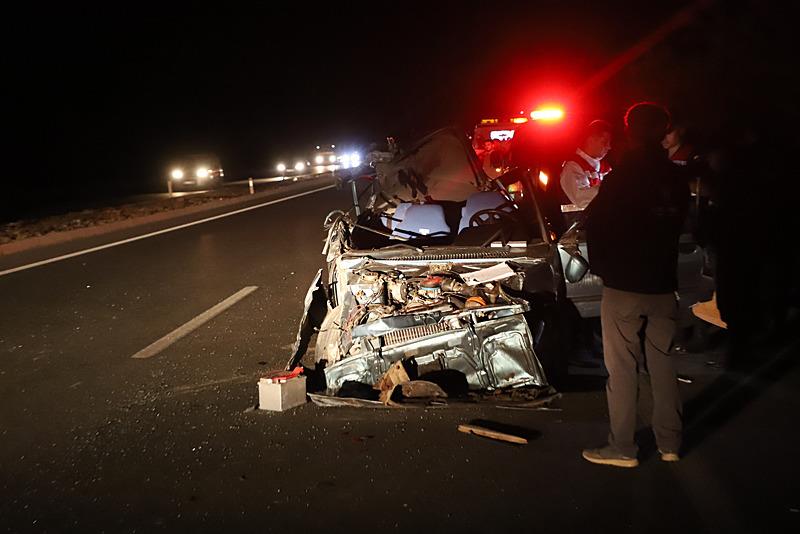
x=430 y=319
x=395 y=376
x=402 y=305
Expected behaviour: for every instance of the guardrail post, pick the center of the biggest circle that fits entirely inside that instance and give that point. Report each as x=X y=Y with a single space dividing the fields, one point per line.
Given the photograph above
x=250 y=182
x=169 y=187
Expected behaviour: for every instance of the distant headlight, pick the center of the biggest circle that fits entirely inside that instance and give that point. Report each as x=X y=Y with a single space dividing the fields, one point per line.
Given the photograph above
x=201 y=173
x=176 y=174
x=281 y=167
x=332 y=159
x=319 y=160
x=299 y=166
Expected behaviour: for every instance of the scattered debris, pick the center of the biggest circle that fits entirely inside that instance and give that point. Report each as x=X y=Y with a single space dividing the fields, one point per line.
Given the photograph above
x=709 y=312
x=493 y=434
x=685 y=379
x=519 y=397
x=537 y=408
x=282 y=390
x=392 y=378
x=327 y=401
x=422 y=389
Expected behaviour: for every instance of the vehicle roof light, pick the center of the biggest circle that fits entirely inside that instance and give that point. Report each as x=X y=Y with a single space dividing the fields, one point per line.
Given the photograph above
x=501 y=135
x=519 y=120
x=547 y=114
x=543 y=179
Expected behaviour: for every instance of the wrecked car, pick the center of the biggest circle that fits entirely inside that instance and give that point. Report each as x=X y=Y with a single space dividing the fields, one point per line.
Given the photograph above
x=441 y=269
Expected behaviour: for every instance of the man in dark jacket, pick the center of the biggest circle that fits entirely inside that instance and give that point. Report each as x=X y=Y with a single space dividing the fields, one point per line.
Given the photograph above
x=634 y=225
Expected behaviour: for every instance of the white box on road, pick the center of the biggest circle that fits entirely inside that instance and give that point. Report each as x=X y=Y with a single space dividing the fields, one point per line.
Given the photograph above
x=280 y=395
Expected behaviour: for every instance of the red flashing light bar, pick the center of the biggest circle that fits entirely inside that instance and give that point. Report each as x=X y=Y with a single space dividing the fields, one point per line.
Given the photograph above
x=547 y=114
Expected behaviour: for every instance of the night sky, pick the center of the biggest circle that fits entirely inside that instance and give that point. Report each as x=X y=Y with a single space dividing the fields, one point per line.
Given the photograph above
x=100 y=98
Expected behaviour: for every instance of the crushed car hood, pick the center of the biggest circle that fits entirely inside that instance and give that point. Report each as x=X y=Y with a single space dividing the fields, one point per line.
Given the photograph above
x=452 y=316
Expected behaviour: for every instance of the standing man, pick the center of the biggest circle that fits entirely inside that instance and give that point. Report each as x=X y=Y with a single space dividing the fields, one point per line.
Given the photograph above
x=582 y=173
x=633 y=227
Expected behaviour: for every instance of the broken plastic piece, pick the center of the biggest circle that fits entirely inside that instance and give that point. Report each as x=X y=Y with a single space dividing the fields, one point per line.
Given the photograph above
x=392 y=378
x=501 y=271
x=421 y=389
x=283 y=376
x=475 y=302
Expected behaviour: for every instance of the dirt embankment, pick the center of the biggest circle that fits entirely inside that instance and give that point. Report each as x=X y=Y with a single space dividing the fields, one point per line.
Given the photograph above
x=27 y=228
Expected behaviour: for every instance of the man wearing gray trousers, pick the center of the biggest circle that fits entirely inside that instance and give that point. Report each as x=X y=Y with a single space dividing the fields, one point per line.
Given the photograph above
x=634 y=225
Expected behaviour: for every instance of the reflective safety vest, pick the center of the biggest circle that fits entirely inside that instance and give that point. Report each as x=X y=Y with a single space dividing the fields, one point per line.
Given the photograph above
x=594 y=177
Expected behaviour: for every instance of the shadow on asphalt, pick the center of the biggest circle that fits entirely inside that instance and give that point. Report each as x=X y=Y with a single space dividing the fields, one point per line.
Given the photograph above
x=583 y=383
x=732 y=392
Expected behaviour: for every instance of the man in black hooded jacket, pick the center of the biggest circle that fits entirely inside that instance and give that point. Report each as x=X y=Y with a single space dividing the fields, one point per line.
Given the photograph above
x=634 y=225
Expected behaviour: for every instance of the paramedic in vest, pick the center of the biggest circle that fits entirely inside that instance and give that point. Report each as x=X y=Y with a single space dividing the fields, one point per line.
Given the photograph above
x=582 y=174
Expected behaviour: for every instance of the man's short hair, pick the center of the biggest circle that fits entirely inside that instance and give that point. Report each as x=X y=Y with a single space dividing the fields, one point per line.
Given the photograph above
x=597 y=127
x=647 y=121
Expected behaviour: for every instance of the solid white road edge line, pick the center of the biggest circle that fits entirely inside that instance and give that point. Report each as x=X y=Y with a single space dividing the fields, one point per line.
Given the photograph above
x=156 y=347
x=159 y=232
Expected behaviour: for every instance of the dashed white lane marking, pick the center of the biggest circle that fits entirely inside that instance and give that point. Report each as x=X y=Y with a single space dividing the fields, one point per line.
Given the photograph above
x=159 y=232
x=156 y=347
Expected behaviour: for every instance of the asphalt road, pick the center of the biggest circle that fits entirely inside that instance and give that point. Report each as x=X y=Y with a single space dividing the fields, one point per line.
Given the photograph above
x=94 y=440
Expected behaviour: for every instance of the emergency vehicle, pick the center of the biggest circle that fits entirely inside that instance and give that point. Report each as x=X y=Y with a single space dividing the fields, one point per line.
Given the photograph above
x=491 y=140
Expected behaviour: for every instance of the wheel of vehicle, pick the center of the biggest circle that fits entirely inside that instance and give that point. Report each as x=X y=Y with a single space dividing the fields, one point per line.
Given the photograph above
x=491 y=216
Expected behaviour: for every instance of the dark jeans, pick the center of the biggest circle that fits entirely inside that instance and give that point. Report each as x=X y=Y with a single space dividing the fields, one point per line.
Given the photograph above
x=637 y=334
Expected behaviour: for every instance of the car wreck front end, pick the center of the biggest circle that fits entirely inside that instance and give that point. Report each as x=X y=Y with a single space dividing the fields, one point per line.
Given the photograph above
x=454 y=309
x=435 y=315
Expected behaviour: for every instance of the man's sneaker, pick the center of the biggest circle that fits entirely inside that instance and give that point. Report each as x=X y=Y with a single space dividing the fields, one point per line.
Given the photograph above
x=609 y=456
x=669 y=456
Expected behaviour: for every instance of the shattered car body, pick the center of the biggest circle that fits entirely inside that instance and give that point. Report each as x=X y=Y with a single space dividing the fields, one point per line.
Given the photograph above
x=439 y=271
x=396 y=311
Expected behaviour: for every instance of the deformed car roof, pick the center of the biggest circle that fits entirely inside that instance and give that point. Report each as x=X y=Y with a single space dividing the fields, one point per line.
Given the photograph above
x=441 y=166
